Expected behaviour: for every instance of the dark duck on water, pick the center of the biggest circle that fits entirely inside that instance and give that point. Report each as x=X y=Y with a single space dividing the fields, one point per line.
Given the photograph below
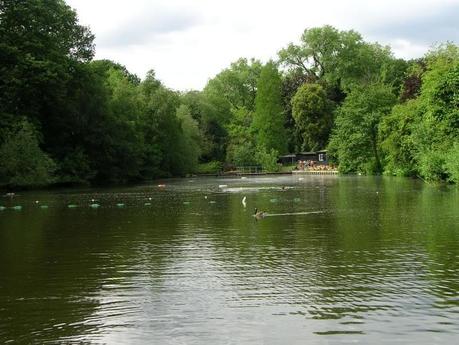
x=259 y=214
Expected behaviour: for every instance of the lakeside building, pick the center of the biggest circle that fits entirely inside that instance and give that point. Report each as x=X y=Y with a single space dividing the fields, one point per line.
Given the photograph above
x=318 y=157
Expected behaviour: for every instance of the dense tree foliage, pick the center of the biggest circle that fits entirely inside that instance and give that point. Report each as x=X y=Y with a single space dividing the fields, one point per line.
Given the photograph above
x=268 y=122
x=23 y=162
x=312 y=111
x=355 y=139
x=95 y=120
x=420 y=136
x=65 y=118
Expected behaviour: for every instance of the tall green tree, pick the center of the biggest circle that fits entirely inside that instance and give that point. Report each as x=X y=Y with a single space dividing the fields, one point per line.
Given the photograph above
x=323 y=52
x=396 y=133
x=419 y=135
x=23 y=163
x=123 y=130
x=161 y=128
x=168 y=134
x=212 y=113
x=41 y=42
x=236 y=86
x=312 y=112
x=191 y=137
x=355 y=141
x=268 y=122
x=44 y=76
x=342 y=58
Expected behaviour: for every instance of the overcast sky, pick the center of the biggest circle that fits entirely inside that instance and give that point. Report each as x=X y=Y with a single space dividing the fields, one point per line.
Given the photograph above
x=187 y=42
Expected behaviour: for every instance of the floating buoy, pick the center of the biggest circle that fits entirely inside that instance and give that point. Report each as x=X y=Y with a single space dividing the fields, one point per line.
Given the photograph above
x=205 y=196
x=244 y=202
x=72 y=206
x=37 y=202
x=2 y=208
x=120 y=204
x=94 y=205
x=147 y=204
x=17 y=208
x=149 y=198
x=161 y=185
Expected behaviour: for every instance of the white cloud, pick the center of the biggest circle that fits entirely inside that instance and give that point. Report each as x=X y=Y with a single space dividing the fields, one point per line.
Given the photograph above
x=188 y=41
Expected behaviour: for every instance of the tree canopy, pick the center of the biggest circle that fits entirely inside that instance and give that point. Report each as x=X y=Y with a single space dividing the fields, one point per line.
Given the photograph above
x=66 y=118
x=312 y=112
x=268 y=122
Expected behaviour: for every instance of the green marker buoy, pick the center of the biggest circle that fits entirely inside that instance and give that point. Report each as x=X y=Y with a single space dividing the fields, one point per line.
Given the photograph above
x=72 y=206
x=17 y=208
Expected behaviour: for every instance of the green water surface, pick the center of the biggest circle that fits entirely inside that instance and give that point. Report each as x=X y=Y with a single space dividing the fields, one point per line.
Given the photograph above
x=336 y=260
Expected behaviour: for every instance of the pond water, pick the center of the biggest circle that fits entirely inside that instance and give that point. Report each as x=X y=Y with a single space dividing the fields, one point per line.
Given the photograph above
x=336 y=260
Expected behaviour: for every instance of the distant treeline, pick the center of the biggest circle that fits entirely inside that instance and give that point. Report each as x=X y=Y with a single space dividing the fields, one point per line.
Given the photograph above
x=66 y=118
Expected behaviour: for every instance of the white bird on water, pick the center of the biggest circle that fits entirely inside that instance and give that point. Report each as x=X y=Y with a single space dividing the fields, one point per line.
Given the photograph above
x=244 y=201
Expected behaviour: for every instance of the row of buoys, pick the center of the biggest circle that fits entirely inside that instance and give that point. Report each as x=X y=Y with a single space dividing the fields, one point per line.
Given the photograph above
x=188 y=202
x=93 y=205
x=17 y=208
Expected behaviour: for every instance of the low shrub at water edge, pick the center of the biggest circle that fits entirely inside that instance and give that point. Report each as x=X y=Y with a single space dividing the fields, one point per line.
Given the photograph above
x=213 y=167
x=287 y=168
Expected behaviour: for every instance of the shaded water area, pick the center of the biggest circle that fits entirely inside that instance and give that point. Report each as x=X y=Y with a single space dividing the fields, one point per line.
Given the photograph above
x=337 y=260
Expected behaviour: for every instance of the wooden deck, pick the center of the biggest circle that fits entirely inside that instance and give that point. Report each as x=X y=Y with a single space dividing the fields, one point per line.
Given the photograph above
x=315 y=172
